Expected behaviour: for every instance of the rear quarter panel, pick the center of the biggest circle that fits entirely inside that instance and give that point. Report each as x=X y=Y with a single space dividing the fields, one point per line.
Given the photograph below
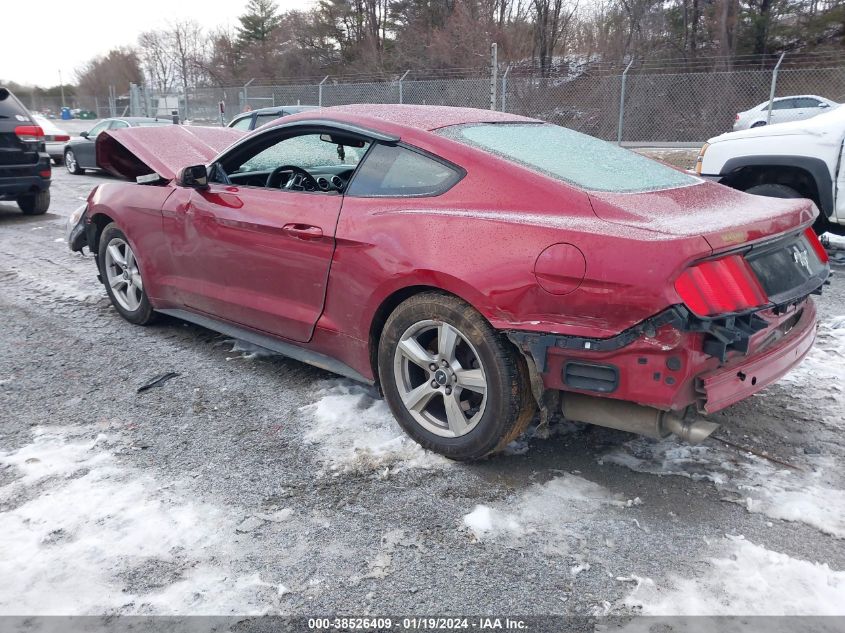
x=480 y=241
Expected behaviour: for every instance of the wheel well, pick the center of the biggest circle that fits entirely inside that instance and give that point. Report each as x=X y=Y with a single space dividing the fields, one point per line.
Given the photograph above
x=794 y=177
x=101 y=221
x=384 y=311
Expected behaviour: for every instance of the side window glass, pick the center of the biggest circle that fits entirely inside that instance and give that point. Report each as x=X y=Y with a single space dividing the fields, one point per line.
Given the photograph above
x=784 y=104
x=116 y=125
x=398 y=171
x=242 y=124
x=261 y=119
x=104 y=125
x=808 y=102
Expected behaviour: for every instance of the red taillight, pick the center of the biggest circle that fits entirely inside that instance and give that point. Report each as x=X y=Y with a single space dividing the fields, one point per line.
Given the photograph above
x=45 y=173
x=29 y=133
x=61 y=137
x=814 y=241
x=737 y=117
x=720 y=286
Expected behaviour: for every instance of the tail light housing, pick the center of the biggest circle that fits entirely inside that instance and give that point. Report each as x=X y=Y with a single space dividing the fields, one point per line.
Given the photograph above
x=737 y=118
x=29 y=133
x=818 y=247
x=720 y=286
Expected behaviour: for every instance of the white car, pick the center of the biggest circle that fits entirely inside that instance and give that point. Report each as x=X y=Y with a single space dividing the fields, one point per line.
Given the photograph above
x=801 y=159
x=54 y=138
x=784 y=109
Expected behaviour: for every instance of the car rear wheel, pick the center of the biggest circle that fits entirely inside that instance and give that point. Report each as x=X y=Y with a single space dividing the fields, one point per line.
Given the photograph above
x=122 y=277
x=759 y=124
x=454 y=384
x=71 y=164
x=35 y=203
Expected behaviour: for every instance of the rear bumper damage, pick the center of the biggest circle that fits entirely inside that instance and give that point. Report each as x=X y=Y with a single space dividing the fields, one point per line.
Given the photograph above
x=744 y=376
x=653 y=378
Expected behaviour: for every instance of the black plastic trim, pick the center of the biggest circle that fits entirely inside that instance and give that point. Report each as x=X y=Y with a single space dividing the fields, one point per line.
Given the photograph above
x=816 y=167
x=270 y=342
x=588 y=376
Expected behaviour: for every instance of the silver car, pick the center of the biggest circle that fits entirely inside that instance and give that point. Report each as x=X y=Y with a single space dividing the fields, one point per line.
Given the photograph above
x=784 y=109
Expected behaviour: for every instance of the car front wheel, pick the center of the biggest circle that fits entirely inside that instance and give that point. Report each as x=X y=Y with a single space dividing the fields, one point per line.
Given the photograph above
x=454 y=384
x=122 y=277
x=70 y=163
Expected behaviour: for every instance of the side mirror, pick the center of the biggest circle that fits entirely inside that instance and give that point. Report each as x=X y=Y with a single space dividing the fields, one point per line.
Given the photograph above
x=824 y=105
x=195 y=177
x=83 y=134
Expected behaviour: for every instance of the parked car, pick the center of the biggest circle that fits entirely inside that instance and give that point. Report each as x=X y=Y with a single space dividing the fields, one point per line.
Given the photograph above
x=803 y=159
x=256 y=118
x=474 y=264
x=25 y=170
x=784 y=109
x=79 y=153
x=55 y=138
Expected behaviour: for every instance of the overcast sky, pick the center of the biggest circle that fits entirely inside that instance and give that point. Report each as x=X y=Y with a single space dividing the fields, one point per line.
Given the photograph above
x=41 y=38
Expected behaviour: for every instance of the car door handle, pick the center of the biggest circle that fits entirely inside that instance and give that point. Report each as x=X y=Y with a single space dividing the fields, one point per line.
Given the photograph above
x=303 y=231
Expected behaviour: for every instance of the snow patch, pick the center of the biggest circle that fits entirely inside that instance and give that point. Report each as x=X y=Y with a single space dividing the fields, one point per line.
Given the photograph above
x=747 y=580
x=354 y=430
x=543 y=508
x=76 y=527
x=808 y=496
x=249 y=351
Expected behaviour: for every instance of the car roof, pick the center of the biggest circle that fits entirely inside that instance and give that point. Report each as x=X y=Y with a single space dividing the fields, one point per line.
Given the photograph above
x=280 y=108
x=405 y=117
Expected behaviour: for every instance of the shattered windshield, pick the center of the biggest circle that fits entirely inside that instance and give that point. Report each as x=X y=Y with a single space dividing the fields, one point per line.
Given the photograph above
x=570 y=156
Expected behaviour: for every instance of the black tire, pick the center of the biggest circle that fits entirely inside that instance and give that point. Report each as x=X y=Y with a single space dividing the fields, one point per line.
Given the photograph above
x=35 y=203
x=774 y=191
x=510 y=404
x=71 y=163
x=820 y=226
x=144 y=314
x=759 y=124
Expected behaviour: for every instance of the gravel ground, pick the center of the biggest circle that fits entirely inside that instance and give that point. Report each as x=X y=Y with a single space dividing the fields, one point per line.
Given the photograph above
x=235 y=487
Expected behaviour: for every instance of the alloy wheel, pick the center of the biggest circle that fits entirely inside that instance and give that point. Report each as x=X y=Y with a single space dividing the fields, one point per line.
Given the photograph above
x=122 y=274
x=70 y=161
x=440 y=378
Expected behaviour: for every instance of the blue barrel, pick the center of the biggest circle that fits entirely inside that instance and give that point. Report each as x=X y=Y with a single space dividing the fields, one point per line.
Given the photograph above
x=66 y=116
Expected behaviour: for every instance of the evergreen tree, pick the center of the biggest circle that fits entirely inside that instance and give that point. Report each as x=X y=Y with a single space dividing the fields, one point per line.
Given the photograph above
x=258 y=23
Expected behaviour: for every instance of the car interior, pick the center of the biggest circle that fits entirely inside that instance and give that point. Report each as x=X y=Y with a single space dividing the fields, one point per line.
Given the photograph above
x=313 y=162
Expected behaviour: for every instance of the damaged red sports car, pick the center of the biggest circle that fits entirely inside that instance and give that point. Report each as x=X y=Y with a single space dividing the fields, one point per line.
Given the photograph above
x=475 y=265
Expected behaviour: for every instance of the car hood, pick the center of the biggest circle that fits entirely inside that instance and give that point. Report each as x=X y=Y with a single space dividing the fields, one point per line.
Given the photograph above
x=138 y=151
x=830 y=124
x=722 y=216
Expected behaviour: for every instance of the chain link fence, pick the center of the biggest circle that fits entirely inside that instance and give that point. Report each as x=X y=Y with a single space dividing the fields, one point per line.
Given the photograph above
x=636 y=106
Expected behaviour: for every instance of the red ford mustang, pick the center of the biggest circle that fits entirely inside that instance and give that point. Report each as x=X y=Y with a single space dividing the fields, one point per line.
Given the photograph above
x=475 y=265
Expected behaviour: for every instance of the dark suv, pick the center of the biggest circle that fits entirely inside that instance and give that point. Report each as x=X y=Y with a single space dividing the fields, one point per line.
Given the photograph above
x=24 y=165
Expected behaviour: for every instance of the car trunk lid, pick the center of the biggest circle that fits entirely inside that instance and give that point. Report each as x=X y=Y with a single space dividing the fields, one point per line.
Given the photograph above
x=726 y=218
x=140 y=151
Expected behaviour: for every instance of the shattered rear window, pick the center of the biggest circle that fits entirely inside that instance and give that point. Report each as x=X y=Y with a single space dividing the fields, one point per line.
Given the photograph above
x=570 y=156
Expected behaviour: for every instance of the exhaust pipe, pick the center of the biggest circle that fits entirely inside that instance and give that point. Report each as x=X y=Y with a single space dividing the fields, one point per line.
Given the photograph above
x=634 y=418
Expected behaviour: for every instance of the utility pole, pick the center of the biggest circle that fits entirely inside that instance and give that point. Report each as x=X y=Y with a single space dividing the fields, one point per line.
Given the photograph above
x=494 y=63
x=62 y=87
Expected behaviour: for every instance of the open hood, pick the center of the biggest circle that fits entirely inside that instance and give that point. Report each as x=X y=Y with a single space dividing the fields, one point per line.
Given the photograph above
x=164 y=150
x=724 y=217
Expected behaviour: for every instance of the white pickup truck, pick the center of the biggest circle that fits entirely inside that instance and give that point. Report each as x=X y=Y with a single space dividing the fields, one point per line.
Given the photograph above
x=800 y=159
